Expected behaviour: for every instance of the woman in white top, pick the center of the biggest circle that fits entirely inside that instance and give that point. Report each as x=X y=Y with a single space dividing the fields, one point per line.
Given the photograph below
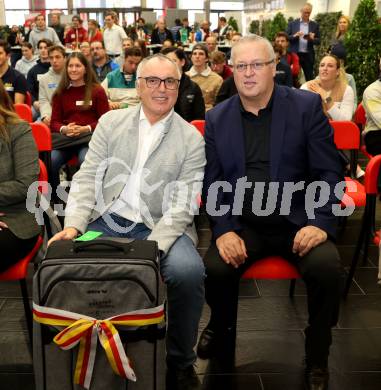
x=337 y=96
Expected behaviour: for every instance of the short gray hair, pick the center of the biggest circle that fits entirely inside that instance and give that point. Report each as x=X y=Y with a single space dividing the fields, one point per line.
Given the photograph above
x=253 y=38
x=160 y=57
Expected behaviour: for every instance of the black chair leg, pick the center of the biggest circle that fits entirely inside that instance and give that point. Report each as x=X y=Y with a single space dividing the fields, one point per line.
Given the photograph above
x=27 y=310
x=292 y=288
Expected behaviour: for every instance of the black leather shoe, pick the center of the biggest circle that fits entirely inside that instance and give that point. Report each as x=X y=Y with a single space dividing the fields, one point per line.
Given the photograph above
x=206 y=347
x=316 y=378
x=182 y=379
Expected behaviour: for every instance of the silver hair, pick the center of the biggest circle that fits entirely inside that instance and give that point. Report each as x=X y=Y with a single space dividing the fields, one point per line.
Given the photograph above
x=160 y=57
x=253 y=38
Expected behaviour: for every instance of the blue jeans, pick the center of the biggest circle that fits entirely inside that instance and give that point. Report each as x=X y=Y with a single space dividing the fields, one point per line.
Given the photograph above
x=183 y=272
x=61 y=157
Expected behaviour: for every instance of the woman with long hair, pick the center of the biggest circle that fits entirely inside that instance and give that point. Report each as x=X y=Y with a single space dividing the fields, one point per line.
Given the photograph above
x=77 y=104
x=18 y=170
x=337 y=43
x=336 y=95
x=190 y=103
x=141 y=44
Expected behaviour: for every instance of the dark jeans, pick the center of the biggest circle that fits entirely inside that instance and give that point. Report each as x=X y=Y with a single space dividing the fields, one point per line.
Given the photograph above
x=13 y=248
x=321 y=270
x=306 y=61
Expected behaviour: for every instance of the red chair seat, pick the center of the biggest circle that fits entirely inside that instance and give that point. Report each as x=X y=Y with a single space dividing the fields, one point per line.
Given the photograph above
x=272 y=267
x=358 y=196
x=19 y=270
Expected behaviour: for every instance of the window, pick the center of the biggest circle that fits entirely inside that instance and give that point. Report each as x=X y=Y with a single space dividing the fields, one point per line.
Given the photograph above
x=196 y=4
x=19 y=4
x=15 y=17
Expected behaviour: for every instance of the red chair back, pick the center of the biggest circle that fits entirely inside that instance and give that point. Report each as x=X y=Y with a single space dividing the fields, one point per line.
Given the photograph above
x=360 y=116
x=199 y=124
x=19 y=270
x=28 y=99
x=42 y=136
x=43 y=178
x=272 y=267
x=371 y=175
x=346 y=135
x=24 y=112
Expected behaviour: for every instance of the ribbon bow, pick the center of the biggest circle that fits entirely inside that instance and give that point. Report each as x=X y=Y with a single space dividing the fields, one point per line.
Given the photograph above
x=86 y=331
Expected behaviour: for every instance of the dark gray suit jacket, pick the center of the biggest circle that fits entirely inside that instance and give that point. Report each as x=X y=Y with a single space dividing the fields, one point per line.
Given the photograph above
x=18 y=170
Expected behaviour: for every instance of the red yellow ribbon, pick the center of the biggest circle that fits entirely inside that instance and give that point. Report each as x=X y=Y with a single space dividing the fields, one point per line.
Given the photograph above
x=86 y=331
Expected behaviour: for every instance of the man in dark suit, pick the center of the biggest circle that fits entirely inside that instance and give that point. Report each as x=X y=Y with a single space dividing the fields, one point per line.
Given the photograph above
x=265 y=136
x=304 y=34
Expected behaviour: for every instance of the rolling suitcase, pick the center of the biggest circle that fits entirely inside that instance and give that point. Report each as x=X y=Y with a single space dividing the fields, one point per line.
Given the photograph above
x=77 y=285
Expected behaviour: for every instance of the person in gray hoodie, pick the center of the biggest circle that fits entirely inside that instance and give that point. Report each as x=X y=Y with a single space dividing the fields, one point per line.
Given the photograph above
x=41 y=31
x=28 y=59
x=50 y=80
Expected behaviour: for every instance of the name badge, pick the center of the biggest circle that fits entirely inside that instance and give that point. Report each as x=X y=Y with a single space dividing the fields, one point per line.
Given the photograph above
x=52 y=85
x=73 y=36
x=9 y=87
x=81 y=103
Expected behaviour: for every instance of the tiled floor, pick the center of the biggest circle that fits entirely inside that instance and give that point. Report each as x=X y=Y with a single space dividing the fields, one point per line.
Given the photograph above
x=270 y=340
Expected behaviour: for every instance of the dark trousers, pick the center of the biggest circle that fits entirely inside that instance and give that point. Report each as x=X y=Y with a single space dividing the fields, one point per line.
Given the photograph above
x=320 y=269
x=13 y=248
x=306 y=61
x=372 y=142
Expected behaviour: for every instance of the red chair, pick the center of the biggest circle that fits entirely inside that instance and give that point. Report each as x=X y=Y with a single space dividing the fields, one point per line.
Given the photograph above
x=360 y=120
x=43 y=138
x=347 y=137
x=24 y=112
x=19 y=270
x=273 y=267
x=368 y=225
x=28 y=99
x=199 y=124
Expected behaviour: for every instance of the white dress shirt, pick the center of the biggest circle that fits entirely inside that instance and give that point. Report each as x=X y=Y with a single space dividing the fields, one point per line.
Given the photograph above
x=128 y=204
x=113 y=38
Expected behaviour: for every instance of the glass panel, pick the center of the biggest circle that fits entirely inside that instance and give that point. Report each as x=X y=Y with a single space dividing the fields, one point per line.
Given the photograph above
x=154 y=4
x=196 y=4
x=19 y=4
x=55 y=4
x=15 y=17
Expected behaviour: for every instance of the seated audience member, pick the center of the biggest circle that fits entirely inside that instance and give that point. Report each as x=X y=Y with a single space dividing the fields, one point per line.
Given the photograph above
x=300 y=150
x=14 y=82
x=190 y=103
x=218 y=64
x=342 y=27
x=102 y=64
x=93 y=32
x=341 y=55
x=142 y=46
x=55 y=24
x=234 y=39
x=371 y=100
x=120 y=84
x=204 y=32
x=126 y=44
x=223 y=28
x=227 y=90
x=283 y=71
x=77 y=104
x=49 y=82
x=209 y=81
x=130 y=138
x=211 y=44
x=28 y=59
x=33 y=77
x=19 y=169
x=336 y=95
x=84 y=48
x=167 y=43
x=41 y=31
x=76 y=34
x=161 y=33
x=287 y=57
x=141 y=29
x=15 y=38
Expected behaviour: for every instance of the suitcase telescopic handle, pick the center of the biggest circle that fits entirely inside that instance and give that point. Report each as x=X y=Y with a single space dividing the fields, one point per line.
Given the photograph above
x=120 y=246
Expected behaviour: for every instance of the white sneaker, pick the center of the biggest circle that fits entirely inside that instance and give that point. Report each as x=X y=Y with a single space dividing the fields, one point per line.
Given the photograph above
x=359 y=173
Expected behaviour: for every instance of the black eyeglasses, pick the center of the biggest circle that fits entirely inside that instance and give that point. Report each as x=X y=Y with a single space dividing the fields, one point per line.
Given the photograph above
x=255 y=65
x=155 y=82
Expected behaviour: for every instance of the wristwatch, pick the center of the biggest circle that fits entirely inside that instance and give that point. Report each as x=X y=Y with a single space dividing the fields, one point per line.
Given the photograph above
x=328 y=100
